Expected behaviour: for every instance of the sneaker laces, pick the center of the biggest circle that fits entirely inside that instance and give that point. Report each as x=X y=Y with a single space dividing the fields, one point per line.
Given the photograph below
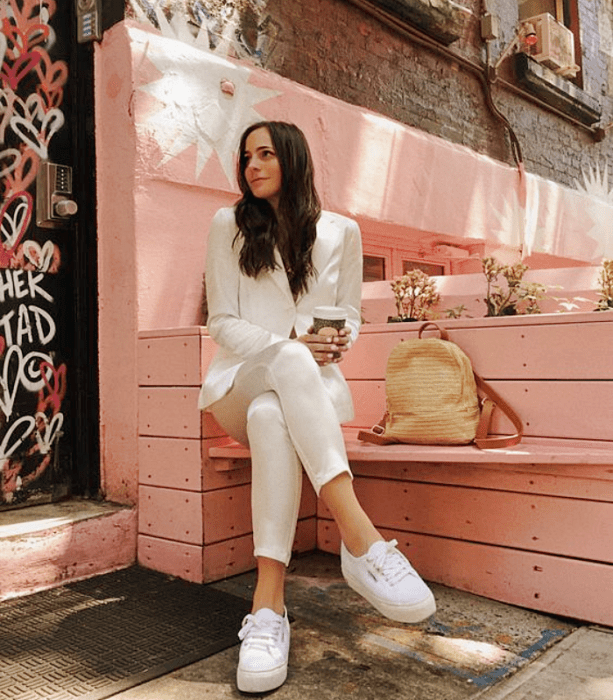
x=391 y=563
x=261 y=635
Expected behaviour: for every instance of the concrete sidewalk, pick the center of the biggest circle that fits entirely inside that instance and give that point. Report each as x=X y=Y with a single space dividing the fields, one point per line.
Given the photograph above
x=580 y=667
x=471 y=648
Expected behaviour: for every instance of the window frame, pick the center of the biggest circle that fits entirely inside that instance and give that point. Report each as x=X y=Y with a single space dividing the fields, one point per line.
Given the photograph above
x=395 y=254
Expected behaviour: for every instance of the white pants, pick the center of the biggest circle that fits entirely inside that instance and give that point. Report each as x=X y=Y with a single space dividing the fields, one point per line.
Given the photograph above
x=279 y=407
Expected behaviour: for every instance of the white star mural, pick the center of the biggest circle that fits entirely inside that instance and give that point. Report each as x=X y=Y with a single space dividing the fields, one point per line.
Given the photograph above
x=596 y=184
x=193 y=109
x=600 y=208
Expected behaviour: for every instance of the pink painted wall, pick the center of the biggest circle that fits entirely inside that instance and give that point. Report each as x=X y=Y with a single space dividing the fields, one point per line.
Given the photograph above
x=117 y=290
x=166 y=135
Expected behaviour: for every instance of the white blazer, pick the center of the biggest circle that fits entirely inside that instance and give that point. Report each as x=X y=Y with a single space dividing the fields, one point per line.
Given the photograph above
x=247 y=315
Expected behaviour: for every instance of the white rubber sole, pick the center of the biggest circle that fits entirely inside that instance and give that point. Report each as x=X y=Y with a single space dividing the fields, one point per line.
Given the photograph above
x=417 y=612
x=260 y=681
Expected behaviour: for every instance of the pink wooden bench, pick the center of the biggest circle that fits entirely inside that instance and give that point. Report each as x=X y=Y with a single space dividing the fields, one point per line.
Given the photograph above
x=530 y=525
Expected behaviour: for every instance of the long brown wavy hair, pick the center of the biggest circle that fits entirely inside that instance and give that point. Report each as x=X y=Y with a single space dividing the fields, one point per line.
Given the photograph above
x=293 y=227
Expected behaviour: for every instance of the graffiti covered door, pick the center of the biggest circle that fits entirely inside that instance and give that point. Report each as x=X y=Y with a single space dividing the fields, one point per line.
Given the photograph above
x=36 y=276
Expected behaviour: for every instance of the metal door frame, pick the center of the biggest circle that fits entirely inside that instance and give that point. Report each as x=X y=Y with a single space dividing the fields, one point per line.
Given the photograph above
x=86 y=396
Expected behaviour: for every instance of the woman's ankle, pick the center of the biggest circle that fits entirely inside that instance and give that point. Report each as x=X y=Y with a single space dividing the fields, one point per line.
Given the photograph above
x=270 y=587
x=275 y=607
x=270 y=600
x=360 y=545
x=359 y=534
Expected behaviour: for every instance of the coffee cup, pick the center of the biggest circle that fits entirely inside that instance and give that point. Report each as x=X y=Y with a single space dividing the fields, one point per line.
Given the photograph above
x=328 y=320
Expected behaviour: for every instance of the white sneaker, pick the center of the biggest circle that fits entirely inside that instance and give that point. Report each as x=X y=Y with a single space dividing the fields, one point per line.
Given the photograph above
x=389 y=583
x=262 y=664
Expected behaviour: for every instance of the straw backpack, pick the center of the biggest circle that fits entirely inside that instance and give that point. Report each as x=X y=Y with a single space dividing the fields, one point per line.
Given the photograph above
x=432 y=398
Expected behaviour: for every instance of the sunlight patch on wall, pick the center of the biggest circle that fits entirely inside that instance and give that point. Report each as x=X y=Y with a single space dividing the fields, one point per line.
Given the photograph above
x=374 y=165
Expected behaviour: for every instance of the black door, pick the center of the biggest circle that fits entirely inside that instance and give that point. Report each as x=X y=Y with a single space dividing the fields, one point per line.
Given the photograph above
x=48 y=395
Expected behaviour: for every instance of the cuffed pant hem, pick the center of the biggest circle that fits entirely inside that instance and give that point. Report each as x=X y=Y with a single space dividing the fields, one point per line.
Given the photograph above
x=277 y=555
x=329 y=476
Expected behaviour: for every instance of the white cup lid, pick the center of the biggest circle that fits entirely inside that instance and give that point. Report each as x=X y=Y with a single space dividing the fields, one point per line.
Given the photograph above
x=332 y=313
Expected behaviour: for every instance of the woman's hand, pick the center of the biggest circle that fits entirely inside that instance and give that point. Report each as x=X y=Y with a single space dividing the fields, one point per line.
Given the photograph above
x=327 y=348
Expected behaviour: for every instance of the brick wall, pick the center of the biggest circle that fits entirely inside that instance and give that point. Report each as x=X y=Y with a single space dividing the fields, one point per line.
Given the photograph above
x=337 y=48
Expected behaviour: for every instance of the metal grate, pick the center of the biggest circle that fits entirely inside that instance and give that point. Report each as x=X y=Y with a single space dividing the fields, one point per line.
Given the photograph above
x=92 y=639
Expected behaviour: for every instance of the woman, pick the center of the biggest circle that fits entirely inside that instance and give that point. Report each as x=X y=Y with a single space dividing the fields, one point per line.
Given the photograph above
x=276 y=386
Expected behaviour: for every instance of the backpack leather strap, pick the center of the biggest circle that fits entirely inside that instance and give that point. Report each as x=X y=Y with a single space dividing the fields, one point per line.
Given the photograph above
x=442 y=331
x=375 y=435
x=493 y=400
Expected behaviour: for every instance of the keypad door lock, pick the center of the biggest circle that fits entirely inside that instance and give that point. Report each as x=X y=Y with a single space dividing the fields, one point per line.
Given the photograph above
x=88 y=20
x=54 y=203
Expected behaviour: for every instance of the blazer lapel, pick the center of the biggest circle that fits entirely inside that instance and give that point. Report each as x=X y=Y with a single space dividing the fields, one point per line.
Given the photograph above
x=279 y=277
x=325 y=243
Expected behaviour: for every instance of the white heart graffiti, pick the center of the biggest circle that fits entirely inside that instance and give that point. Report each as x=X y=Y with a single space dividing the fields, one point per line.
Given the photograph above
x=25 y=373
x=15 y=219
x=7 y=449
x=8 y=394
x=40 y=257
x=6 y=167
x=24 y=426
x=34 y=125
x=52 y=429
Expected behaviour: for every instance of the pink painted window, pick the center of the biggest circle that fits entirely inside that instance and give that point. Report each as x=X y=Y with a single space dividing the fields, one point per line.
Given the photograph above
x=374 y=268
x=431 y=269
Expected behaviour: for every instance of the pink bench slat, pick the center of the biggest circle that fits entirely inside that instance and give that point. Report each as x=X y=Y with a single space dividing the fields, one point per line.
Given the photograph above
x=530 y=451
x=182 y=514
x=550 y=351
x=570 y=480
x=170 y=462
x=562 y=409
x=502 y=518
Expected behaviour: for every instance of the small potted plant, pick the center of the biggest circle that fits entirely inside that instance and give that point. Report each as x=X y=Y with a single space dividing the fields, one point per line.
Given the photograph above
x=514 y=297
x=415 y=293
x=456 y=311
x=605 y=280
